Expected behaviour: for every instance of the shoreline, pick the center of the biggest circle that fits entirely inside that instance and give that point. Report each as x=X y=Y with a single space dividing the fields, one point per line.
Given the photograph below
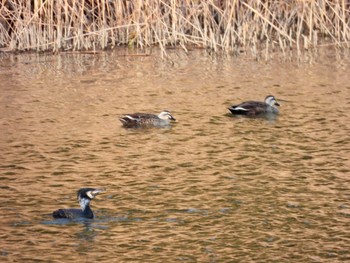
x=221 y=26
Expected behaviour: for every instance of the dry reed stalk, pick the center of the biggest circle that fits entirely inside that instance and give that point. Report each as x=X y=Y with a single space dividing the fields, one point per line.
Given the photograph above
x=261 y=26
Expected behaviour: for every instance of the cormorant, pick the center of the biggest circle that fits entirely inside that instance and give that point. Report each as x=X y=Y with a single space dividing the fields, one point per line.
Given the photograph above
x=85 y=195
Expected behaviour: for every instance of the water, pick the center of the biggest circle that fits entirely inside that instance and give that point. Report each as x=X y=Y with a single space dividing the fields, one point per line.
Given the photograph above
x=212 y=188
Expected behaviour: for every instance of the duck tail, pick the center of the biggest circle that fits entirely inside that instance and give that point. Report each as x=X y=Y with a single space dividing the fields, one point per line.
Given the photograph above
x=128 y=121
x=123 y=119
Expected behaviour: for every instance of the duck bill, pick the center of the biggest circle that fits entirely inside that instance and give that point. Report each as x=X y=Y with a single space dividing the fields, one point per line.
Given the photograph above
x=277 y=104
x=172 y=118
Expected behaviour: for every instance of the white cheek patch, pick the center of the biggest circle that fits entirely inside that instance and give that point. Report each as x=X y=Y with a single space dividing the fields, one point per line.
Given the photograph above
x=89 y=194
x=84 y=202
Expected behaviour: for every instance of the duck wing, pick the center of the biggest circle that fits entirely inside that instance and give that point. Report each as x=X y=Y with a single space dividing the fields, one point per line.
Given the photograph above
x=249 y=108
x=136 y=119
x=142 y=116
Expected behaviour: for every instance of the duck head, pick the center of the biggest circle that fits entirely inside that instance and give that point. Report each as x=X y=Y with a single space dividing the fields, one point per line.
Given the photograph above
x=271 y=100
x=165 y=115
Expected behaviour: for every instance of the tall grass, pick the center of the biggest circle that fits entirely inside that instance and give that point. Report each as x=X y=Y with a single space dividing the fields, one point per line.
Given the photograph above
x=219 y=25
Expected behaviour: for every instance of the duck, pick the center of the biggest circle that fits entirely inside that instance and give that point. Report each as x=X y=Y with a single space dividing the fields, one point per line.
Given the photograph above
x=254 y=108
x=84 y=195
x=137 y=120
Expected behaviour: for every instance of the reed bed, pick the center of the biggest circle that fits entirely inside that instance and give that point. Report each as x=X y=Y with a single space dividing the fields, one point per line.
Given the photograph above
x=220 y=25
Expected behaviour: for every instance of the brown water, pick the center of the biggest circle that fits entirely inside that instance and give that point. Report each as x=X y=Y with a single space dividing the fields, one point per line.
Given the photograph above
x=212 y=188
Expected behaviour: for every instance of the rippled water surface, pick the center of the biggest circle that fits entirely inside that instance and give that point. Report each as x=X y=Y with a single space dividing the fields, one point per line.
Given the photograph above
x=212 y=188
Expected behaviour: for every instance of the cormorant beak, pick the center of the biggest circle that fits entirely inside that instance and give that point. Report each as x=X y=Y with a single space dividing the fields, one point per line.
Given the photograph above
x=95 y=192
x=98 y=191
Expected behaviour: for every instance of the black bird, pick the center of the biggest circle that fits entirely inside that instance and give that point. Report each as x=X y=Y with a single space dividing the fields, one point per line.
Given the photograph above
x=85 y=195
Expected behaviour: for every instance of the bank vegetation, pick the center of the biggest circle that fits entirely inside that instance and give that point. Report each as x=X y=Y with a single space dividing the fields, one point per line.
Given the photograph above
x=231 y=26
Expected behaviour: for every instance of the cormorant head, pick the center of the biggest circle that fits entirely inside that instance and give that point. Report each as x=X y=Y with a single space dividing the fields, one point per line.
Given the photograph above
x=165 y=115
x=271 y=100
x=85 y=195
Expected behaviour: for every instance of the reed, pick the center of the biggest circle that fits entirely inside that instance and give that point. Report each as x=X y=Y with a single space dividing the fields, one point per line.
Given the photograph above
x=234 y=26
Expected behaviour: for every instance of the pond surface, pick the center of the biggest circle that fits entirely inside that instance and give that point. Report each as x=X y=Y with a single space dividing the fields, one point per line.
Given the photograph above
x=211 y=188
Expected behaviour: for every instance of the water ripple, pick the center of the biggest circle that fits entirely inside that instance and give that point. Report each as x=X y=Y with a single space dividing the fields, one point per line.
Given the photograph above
x=212 y=188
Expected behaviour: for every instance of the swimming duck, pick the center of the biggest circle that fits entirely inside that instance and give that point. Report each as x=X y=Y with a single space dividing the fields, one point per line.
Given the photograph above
x=145 y=119
x=85 y=195
x=254 y=108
